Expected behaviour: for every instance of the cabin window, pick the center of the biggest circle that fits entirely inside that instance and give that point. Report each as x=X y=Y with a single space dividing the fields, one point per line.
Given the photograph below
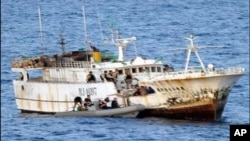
x=147 y=69
x=120 y=71
x=158 y=69
x=134 y=70
x=141 y=69
x=153 y=69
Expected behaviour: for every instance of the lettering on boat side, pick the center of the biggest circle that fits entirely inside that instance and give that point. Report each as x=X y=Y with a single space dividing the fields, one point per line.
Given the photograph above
x=88 y=91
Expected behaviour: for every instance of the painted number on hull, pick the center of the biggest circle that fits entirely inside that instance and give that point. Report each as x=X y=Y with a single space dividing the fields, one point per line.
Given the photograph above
x=87 y=91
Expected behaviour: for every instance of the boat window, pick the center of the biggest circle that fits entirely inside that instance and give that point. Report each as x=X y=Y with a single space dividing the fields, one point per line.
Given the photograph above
x=158 y=69
x=153 y=69
x=120 y=71
x=147 y=69
x=141 y=69
x=134 y=70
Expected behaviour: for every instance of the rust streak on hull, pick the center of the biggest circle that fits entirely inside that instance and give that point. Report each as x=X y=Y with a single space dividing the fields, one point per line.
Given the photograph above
x=209 y=111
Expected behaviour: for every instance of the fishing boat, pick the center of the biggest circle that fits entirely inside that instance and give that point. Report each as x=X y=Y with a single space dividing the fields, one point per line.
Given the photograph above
x=193 y=93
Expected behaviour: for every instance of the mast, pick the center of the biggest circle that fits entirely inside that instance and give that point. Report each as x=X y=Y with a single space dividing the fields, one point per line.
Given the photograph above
x=84 y=24
x=99 y=20
x=41 y=29
x=194 y=49
x=62 y=43
x=121 y=44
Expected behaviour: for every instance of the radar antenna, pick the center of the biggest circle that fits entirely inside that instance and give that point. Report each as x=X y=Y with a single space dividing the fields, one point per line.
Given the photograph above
x=62 y=42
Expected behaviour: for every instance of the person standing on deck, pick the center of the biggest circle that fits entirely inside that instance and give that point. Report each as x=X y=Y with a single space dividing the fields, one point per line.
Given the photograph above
x=108 y=76
x=91 y=78
x=128 y=80
x=114 y=103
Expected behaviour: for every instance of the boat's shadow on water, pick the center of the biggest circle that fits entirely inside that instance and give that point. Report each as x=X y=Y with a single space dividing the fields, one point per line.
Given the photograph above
x=32 y=115
x=149 y=120
x=157 y=120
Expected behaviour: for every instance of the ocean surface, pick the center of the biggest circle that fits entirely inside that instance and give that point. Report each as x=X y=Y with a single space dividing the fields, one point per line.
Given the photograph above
x=159 y=25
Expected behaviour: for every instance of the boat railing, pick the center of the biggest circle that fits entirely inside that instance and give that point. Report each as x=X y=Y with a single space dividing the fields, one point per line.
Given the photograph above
x=199 y=73
x=230 y=70
x=71 y=64
x=37 y=62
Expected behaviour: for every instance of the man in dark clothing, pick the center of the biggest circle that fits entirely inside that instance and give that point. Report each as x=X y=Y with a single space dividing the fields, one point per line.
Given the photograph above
x=91 y=77
x=77 y=104
x=102 y=104
x=114 y=103
x=87 y=102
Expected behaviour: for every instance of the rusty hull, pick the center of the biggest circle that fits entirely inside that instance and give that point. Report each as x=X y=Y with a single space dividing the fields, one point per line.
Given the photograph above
x=207 y=110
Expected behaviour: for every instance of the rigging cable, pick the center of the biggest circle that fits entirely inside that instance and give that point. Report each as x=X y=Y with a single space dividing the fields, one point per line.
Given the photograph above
x=41 y=29
x=99 y=20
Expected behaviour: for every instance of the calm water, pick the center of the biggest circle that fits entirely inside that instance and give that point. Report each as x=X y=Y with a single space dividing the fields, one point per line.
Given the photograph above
x=159 y=25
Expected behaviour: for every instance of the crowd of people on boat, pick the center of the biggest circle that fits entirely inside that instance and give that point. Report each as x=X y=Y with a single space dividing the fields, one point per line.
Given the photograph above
x=110 y=76
x=80 y=105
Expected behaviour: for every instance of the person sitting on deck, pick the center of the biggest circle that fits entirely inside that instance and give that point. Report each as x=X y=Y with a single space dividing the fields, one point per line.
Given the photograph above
x=114 y=103
x=136 y=90
x=91 y=77
x=78 y=104
x=102 y=104
x=103 y=76
x=108 y=77
x=143 y=90
x=87 y=102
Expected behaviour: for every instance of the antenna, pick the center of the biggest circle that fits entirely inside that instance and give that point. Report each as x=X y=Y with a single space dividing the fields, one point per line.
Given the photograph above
x=193 y=48
x=134 y=43
x=41 y=29
x=62 y=42
x=99 y=21
x=84 y=23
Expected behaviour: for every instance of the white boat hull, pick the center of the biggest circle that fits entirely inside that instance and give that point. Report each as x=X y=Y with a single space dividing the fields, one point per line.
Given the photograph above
x=172 y=99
